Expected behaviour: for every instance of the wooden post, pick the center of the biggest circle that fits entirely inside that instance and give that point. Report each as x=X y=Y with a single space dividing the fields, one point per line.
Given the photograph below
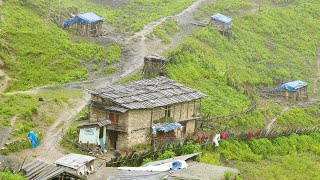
x=180 y=110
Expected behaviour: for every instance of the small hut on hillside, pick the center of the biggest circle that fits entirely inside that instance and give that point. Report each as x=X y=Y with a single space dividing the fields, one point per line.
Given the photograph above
x=223 y=24
x=87 y=24
x=154 y=65
x=295 y=90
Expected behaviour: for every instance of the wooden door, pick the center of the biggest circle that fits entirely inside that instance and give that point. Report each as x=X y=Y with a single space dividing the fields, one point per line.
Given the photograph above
x=113 y=137
x=114 y=118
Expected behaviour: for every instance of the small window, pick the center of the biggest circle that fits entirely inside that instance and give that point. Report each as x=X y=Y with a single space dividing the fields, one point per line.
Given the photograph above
x=168 y=111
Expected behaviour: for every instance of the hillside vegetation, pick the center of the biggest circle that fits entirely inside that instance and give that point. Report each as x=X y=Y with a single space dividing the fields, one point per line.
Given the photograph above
x=36 y=52
x=268 y=46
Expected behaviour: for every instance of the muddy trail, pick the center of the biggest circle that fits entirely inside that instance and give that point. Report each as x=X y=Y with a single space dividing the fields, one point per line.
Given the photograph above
x=137 y=46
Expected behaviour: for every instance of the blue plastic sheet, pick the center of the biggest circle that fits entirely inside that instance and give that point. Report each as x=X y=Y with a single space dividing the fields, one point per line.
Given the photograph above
x=83 y=18
x=33 y=138
x=102 y=145
x=176 y=165
x=291 y=86
x=221 y=18
x=165 y=127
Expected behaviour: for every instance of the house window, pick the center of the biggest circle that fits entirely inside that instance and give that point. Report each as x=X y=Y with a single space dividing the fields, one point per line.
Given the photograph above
x=114 y=117
x=167 y=111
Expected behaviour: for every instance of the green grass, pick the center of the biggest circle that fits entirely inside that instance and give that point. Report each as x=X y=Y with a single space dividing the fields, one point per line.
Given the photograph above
x=167 y=28
x=292 y=157
x=299 y=117
x=30 y=113
x=128 y=19
x=8 y=175
x=36 y=52
x=268 y=46
x=114 y=53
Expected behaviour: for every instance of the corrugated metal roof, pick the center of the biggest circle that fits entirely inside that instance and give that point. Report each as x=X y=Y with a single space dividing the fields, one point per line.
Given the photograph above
x=148 y=93
x=38 y=170
x=74 y=161
x=96 y=123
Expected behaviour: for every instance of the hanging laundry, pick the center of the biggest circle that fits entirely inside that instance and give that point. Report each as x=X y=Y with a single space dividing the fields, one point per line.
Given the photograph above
x=249 y=136
x=203 y=137
x=224 y=135
x=211 y=137
x=216 y=140
x=199 y=137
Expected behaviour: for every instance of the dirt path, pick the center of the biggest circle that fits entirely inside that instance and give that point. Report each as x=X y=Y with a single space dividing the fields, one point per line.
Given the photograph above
x=270 y=125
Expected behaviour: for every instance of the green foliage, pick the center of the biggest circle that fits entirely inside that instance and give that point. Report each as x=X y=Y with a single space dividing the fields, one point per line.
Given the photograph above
x=37 y=52
x=190 y=148
x=147 y=160
x=168 y=27
x=110 y=70
x=291 y=166
x=24 y=107
x=298 y=117
x=166 y=155
x=267 y=46
x=20 y=145
x=12 y=176
x=114 y=53
x=227 y=175
x=210 y=158
x=256 y=149
x=161 y=34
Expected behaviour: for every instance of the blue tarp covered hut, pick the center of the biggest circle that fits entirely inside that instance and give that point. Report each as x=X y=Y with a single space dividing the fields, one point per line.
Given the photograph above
x=222 y=23
x=85 y=24
x=295 y=90
x=291 y=86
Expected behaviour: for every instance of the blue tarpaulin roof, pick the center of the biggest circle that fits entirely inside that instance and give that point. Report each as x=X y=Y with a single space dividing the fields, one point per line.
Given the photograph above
x=83 y=18
x=165 y=127
x=291 y=86
x=221 y=18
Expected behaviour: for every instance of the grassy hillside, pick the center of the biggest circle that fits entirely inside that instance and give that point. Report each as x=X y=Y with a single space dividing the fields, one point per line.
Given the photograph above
x=293 y=157
x=37 y=52
x=129 y=18
x=268 y=47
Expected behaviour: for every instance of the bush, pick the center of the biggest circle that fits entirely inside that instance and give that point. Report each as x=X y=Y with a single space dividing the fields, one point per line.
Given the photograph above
x=190 y=148
x=166 y=155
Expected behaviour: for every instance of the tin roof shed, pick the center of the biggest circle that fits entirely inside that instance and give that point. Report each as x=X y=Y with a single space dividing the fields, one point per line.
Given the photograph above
x=74 y=161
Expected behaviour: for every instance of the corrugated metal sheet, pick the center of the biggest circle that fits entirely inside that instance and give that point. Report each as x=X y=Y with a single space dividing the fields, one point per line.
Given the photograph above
x=148 y=93
x=74 y=161
x=38 y=170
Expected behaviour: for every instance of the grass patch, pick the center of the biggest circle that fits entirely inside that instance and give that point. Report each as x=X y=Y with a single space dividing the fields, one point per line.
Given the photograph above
x=110 y=70
x=30 y=113
x=39 y=53
x=167 y=28
x=9 y=175
x=114 y=53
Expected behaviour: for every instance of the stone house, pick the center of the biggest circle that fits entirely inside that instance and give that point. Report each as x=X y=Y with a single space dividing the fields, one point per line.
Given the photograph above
x=134 y=108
